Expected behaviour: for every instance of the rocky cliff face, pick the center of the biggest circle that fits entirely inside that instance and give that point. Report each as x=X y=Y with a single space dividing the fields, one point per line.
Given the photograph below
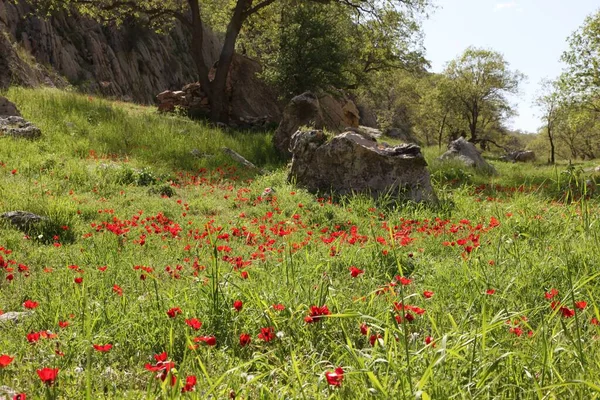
x=130 y=62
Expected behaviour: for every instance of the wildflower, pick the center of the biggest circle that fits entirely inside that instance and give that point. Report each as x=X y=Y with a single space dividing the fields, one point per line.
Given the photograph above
x=33 y=337
x=374 y=338
x=103 y=348
x=594 y=321
x=278 y=307
x=490 y=291
x=48 y=375
x=429 y=341
x=244 y=274
x=5 y=360
x=194 y=323
x=78 y=280
x=336 y=377
x=244 y=339
x=427 y=294
x=117 y=289
x=209 y=340
x=30 y=304
x=404 y=281
x=316 y=313
x=190 y=383
x=173 y=312
x=567 y=312
x=550 y=294
x=354 y=272
x=238 y=305
x=516 y=330
x=364 y=329
x=581 y=305
x=266 y=334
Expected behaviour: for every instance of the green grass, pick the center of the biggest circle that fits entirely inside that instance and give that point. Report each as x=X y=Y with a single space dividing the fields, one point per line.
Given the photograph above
x=98 y=173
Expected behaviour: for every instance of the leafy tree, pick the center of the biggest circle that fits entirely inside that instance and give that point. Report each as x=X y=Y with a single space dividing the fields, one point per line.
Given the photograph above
x=195 y=14
x=582 y=75
x=549 y=103
x=478 y=82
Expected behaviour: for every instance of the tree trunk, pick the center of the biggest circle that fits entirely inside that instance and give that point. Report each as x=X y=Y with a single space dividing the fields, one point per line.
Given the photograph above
x=219 y=106
x=441 y=131
x=197 y=31
x=551 y=139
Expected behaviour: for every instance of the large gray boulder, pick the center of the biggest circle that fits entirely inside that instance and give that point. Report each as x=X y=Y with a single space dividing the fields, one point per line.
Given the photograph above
x=302 y=110
x=22 y=220
x=334 y=112
x=8 y=109
x=466 y=152
x=353 y=163
x=519 y=156
x=17 y=127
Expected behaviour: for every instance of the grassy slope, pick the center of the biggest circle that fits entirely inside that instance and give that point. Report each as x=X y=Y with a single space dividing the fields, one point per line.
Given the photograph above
x=101 y=167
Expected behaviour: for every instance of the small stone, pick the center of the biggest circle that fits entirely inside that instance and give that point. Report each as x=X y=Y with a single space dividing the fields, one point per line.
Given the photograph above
x=14 y=316
x=17 y=127
x=22 y=219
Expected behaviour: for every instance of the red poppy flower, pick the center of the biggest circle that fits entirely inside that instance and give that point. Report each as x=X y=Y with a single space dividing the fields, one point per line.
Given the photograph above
x=63 y=324
x=33 y=337
x=374 y=338
x=550 y=294
x=354 y=272
x=266 y=334
x=5 y=360
x=336 y=377
x=516 y=330
x=429 y=341
x=78 y=280
x=364 y=329
x=404 y=281
x=173 y=312
x=244 y=339
x=117 y=289
x=102 y=269
x=194 y=323
x=316 y=313
x=20 y=396
x=48 y=375
x=567 y=312
x=581 y=304
x=30 y=304
x=490 y=291
x=594 y=321
x=190 y=383
x=209 y=340
x=238 y=305
x=103 y=348
x=244 y=274
x=427 y=294
x=278 y=307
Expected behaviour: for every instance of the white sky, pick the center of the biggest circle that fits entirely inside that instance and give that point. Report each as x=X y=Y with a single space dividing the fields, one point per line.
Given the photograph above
x=531 y=34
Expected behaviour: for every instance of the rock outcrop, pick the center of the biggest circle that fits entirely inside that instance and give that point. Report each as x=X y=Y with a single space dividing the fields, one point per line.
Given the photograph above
x=466 y=152
x=352 y=163
x=519 y=156
x=335 y=114
x=130 y=62
x=252 y=103
x=18 y=127
x=22 y=220
x=8 y=109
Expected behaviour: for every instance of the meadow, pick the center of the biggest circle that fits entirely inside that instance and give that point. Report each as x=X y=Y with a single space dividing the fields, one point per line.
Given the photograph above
x=165 y=274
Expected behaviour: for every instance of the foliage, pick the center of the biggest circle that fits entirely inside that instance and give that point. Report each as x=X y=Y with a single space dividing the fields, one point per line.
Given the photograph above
x=478 y=83
x=582 y=75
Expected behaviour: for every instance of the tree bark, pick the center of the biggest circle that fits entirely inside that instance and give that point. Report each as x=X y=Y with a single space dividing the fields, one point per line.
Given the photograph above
x=219 y=106
x=197 y=31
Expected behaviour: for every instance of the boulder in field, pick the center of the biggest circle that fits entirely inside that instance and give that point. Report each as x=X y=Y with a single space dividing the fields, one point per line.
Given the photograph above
x=466 y=152
x=8 y=109
x=17 y=127
x=519 y=156
x=352 y=163
x=22 y=220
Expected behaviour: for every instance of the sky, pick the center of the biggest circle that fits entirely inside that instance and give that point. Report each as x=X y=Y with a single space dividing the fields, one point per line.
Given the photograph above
x=531 y=34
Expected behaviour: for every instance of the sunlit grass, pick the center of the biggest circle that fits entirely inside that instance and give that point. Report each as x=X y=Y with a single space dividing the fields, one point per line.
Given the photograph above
x=489 y=253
